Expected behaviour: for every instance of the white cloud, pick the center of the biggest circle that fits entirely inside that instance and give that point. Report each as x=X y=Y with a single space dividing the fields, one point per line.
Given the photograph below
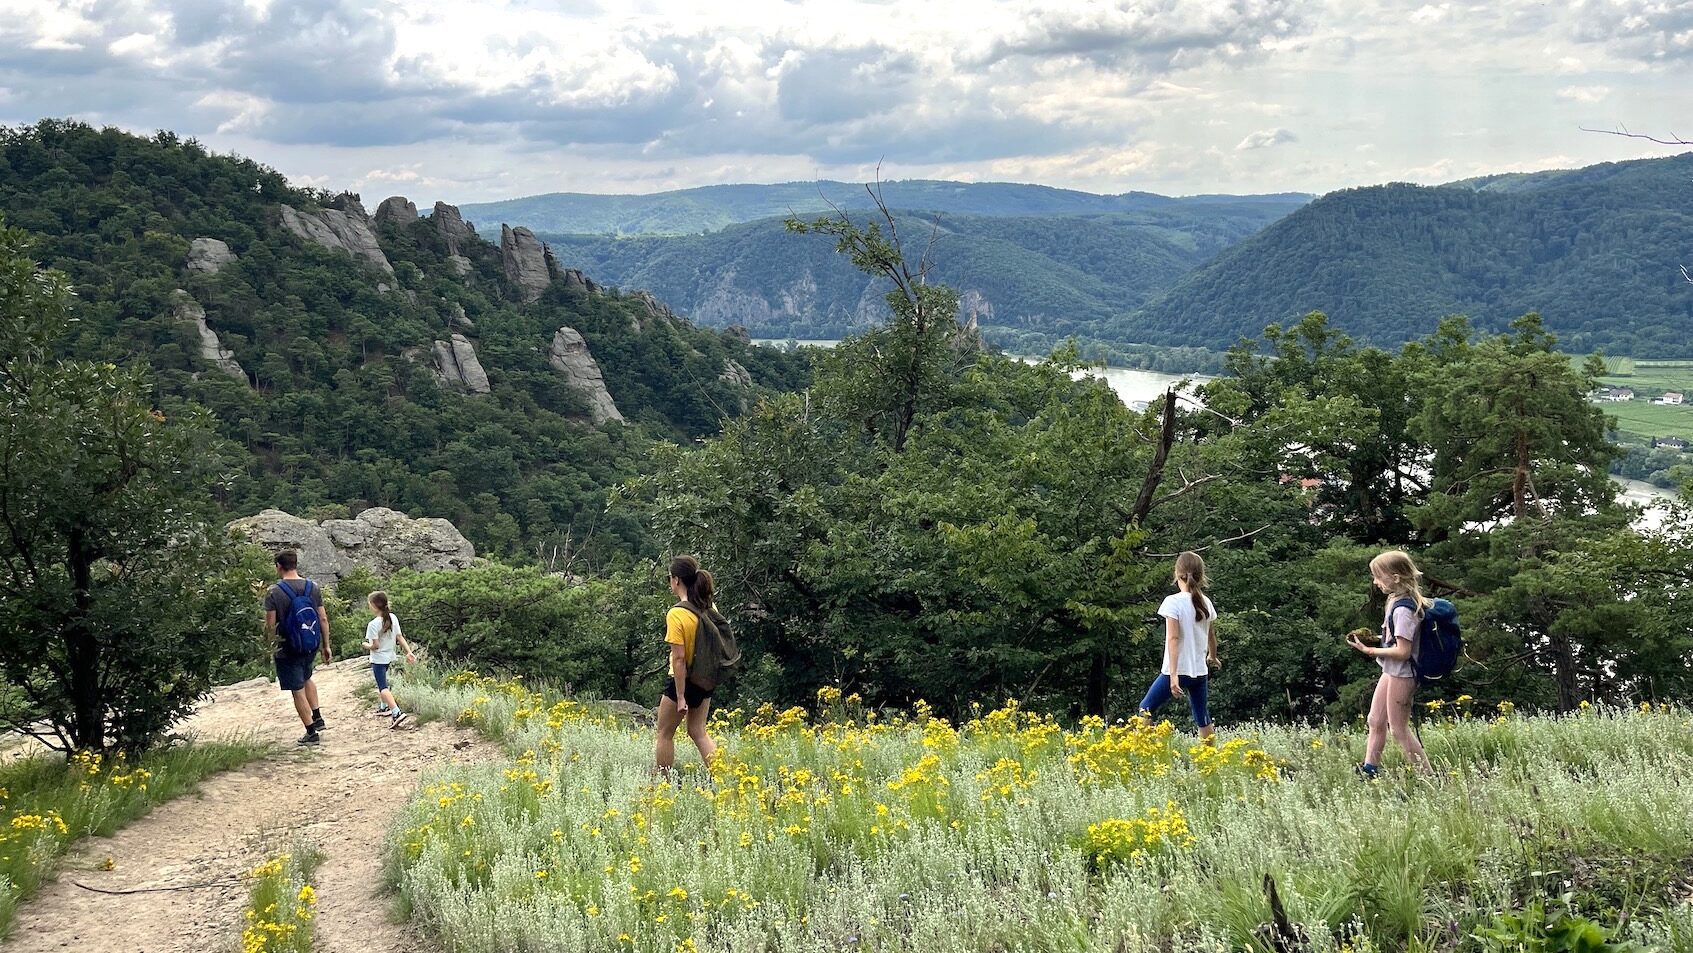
x=484 y=98
x=1584 y=94
x=1430 y=13
x=1265 y=139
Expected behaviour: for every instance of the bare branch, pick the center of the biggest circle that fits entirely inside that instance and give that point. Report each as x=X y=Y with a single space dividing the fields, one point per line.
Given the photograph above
x=1220 y=542
x=1622 y=130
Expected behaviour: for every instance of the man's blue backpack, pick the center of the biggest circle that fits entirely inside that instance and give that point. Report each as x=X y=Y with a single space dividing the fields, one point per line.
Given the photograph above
x=1440 y=640
x=301 y=630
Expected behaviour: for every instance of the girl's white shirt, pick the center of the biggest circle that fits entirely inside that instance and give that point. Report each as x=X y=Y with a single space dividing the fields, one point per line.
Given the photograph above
x=1195 y=633
x=383 y=653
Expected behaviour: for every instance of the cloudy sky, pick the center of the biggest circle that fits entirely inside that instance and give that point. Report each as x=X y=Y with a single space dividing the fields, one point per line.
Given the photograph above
x=472 y=100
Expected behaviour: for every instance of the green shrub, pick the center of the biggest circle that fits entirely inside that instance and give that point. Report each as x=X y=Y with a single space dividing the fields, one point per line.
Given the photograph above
x=598 y=636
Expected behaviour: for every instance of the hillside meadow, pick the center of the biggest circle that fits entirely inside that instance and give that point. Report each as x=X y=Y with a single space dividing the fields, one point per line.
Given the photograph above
x=839 y=827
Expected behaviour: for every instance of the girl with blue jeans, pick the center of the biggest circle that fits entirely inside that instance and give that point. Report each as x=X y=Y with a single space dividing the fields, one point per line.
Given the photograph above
x=1190 y=646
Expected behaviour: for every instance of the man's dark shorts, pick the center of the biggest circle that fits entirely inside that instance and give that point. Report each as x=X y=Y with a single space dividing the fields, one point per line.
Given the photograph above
x=696 y=695
x=293 y=671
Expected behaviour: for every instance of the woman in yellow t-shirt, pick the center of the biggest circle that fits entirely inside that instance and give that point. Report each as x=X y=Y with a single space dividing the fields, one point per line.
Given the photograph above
x=683 y=700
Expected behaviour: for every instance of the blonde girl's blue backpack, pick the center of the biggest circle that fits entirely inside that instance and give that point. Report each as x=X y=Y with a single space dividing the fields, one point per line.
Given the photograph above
x=1440 y=640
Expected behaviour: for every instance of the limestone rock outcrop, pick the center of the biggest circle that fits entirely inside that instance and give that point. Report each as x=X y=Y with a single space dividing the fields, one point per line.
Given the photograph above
x=207 y=256
x=460 y=265
x=452 y=228
x=570 y=356
x=456 y=364
x=396 y=210
x=457 y=319
x=736 y=375
x=212 y=351
x=526 y=261
x=380 y=539
x=574 y=278
x=347 y=231
x=738 y=332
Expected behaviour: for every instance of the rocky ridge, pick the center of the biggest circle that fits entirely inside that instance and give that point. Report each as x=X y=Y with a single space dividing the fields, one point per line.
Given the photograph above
x=379 y=539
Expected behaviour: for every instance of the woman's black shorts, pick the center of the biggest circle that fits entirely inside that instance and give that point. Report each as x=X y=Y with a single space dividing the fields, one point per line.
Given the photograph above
x=696 y=695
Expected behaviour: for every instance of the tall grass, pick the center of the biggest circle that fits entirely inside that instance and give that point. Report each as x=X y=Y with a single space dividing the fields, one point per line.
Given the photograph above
x=844 y=829
x=47 y=804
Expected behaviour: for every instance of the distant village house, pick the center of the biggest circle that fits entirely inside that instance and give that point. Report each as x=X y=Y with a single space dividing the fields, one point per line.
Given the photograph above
x=1671 y=399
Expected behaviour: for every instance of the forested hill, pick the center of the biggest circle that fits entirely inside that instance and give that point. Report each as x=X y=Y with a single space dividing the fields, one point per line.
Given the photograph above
x=1597 y=251
x=354 y=360
x=1021 y=276
x=707 y=209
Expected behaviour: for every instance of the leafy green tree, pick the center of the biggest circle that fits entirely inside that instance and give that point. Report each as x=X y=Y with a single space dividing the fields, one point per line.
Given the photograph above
x=119 y=595
x=896 y=372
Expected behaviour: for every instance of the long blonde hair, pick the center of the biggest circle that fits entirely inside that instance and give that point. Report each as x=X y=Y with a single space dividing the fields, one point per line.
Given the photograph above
x=1190 y=569
x=1404 y=579
x=379 y=600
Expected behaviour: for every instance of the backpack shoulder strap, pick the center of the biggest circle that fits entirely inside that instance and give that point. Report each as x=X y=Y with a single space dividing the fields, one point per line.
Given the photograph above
x=684 y=604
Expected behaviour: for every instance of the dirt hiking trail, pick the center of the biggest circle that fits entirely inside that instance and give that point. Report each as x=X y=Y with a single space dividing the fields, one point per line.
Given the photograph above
x=340 y=797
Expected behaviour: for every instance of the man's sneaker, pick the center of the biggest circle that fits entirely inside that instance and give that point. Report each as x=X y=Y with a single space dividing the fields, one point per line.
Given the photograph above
x=1367 y=771
x=309 y=738
x=385 y=710
x=395 y=719
x=318 y=725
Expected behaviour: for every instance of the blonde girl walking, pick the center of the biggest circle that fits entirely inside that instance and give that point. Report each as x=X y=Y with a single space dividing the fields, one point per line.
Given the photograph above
x=1190 y=646
x=1395 y=574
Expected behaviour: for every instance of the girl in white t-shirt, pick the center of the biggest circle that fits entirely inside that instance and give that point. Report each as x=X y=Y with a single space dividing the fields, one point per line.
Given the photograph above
x=379 y=638
x=1395 y=574
x=1190 y=646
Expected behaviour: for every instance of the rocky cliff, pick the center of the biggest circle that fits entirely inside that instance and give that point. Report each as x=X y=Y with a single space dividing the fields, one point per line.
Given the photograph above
x=380 y=539
x=346 y=231
x=526 y=261
x=456 y=364
x=207 y=256
x=396 y=210
x=212 y=351
x=452 y=228
x=570 y=356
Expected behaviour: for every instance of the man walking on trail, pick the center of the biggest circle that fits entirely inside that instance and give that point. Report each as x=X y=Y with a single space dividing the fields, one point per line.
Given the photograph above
x=294 y=618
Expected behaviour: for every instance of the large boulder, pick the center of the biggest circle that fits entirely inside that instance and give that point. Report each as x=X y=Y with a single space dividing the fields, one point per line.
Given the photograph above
x=386 y=541
x=207 y=256
x=456 y=364
x=347 y=231
x=526 y=261
x=570 y=356
x=396 y=210
x=188 y=311
x=275 y=530
x=380 y=539
x=452 y=228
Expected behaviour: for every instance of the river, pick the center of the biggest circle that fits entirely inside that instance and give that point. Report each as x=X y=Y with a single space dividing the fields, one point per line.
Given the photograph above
x=1136 y=388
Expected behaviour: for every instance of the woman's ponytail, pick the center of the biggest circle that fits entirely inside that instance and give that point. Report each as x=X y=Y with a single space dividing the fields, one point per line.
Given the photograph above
x=698 y=582
x=1190 y=569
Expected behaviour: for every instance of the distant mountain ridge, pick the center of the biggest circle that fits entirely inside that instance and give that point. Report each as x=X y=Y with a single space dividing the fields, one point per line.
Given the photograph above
x=1597 y=251
x=713 y=207
x=1031 y=278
